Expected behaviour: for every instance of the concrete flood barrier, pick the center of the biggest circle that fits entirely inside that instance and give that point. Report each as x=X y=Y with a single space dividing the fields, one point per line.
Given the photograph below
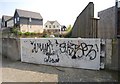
x=11 y=48
x=66 y=52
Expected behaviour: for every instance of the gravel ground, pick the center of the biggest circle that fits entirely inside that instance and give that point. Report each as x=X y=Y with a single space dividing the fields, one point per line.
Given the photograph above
x=23 y=72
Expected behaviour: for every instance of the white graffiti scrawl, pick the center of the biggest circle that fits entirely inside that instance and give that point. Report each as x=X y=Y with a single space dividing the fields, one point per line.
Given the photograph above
x=78 y=53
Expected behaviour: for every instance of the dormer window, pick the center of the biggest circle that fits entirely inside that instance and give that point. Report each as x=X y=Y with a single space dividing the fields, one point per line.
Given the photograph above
x=29 y=19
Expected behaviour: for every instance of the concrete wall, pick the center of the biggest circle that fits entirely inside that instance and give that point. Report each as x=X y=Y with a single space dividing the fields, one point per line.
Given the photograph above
x=118 y=54
x=108 y=54
x=84 y=22
x=0 y=42
x=106 y=26
x=45 y=51
x=11 y=48
x=10 y=45
x=115 y=54
x=111 y=55
x=69 y=52
x=107 y=30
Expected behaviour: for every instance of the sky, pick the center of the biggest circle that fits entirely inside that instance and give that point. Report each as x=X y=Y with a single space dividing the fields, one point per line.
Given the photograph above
x=64 y=11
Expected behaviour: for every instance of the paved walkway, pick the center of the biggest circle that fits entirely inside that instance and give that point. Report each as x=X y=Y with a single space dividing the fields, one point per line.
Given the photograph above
x=23 y=72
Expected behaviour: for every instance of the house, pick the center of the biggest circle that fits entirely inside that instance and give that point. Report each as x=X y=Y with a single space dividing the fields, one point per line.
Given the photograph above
x=52 y=27
x=28 y=21
x=63 y=28
x=4 y=20
x=10 y=22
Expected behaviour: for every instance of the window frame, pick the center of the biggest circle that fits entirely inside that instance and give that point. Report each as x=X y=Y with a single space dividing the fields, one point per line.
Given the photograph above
x=30 y=20
x=15 y=20
x=53 y=26
x=49 y=26
x=18 y=19
x=57 y=26
x=46 y=26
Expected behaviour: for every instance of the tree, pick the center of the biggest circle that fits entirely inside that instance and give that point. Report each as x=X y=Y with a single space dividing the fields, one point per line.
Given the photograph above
x=69 y=30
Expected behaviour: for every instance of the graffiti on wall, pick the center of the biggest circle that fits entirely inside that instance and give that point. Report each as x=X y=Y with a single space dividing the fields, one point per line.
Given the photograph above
x=62 y=52
x=74 y=51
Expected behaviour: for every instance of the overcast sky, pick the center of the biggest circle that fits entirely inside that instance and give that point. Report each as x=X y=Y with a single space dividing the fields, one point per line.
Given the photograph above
x=64 y=11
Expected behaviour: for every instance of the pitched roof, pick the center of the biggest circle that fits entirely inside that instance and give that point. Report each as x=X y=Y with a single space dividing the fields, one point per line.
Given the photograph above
x=6 y=17
x=28 y=14
x=51 y=22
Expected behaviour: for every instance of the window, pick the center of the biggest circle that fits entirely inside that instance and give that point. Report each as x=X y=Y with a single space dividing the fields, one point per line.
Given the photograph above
x=56 y=30
x=15 y=21
x=118 y=4
x=41 y=19
x=54 y=26
x=49 y=26
x=57 y=26
x=46 y=26
x=18 y=19
x=29 y=19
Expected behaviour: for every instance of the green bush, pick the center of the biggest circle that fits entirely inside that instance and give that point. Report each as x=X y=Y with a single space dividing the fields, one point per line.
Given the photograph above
x=20 y=33
x=14 y=30
x=32 y=33
x=27 y=33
